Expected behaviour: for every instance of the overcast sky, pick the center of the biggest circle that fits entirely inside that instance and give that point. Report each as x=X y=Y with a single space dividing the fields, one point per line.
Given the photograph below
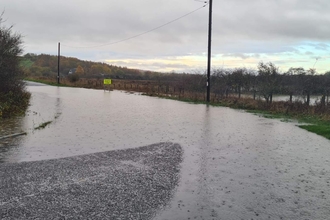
x=289 y=33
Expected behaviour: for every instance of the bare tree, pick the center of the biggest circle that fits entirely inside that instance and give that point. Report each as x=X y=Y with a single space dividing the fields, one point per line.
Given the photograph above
x=238 y=79
x=268 y=80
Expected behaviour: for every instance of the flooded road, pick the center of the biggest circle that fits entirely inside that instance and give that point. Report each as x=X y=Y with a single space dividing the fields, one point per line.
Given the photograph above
x=236 y=165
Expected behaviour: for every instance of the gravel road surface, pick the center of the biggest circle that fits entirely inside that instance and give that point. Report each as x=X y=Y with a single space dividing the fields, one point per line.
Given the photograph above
x=122 y=184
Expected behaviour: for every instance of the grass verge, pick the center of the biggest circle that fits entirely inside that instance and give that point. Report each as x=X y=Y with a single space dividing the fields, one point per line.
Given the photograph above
x=314 y=124
x=14 y=103
x=47 y=82
x=43 y=125
x=323 y=130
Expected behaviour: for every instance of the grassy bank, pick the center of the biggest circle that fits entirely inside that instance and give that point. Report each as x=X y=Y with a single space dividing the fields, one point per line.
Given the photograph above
x=315 y=124
x=13 y=103
x=47 y=82
x=320 y=129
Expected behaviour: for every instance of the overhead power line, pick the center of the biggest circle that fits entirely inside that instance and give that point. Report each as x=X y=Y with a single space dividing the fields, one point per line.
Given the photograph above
x=315 y=62
x=138 y=35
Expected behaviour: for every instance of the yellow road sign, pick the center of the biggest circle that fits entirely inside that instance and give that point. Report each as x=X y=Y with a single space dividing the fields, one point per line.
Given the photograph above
x=107 y=81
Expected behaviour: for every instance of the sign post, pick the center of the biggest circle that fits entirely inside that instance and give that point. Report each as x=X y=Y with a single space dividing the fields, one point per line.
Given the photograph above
x=107 y=82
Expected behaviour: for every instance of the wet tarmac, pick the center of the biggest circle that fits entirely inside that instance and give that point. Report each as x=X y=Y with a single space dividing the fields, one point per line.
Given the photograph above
x=122 y=184
x=236 y=165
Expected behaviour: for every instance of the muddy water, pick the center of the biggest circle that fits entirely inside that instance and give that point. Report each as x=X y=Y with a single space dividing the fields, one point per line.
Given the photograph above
x=236 y=165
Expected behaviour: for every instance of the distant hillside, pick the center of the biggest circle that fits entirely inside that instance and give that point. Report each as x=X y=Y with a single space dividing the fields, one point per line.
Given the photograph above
x=46 y=65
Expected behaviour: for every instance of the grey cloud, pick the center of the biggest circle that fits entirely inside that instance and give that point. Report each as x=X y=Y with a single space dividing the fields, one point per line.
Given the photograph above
x=172 y=65
x=321 y=46
x=156 y=66
x=239 y=27
x=275 y=19
x=242 y=55
x=295 y=61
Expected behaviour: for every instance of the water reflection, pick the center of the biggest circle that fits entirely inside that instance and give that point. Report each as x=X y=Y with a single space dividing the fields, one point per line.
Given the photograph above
x=43 y=107
x=8 y=127
x=204 y=189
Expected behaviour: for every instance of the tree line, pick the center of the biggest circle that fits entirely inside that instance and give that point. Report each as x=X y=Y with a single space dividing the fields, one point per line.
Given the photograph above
x=265 y=81
x=47 y=66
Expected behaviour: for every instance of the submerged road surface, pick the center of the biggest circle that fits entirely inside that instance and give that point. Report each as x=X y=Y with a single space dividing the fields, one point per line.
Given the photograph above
x=235 y=165
x=122 y=184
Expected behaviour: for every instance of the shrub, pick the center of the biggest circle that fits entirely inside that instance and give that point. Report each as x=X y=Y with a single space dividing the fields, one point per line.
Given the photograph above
x=13 y=97
x=73 y=78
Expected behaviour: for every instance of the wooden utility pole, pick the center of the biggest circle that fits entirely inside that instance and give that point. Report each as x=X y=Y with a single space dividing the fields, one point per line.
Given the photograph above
x=58 y=63
x=208 y=83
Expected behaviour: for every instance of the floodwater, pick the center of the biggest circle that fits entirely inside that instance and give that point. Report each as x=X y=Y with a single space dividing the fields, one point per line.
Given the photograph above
x=314 y=99
x=236 y=165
